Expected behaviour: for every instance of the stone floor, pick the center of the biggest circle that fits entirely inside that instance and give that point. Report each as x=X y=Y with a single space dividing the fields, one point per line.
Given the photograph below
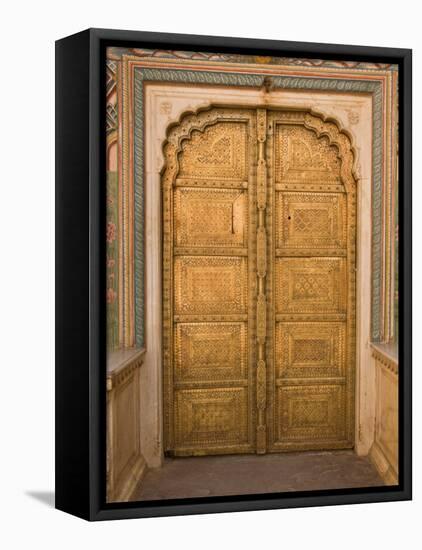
x=243 y=474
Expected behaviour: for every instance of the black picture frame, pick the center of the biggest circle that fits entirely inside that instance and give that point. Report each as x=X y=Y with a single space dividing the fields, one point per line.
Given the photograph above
x=80 y=284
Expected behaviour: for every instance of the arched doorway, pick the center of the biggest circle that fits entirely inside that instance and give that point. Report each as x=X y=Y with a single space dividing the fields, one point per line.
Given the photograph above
x=259 y=229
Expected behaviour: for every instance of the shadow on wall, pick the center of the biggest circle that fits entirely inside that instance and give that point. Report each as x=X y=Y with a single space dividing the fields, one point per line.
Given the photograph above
x=45 y=497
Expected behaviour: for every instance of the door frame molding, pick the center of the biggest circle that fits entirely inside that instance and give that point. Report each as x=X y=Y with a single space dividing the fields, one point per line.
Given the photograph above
x=151 y=383
x=321 y=126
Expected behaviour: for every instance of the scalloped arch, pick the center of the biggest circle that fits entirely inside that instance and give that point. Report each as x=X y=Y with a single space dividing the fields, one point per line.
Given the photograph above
x=190 y=121
x=338 y=137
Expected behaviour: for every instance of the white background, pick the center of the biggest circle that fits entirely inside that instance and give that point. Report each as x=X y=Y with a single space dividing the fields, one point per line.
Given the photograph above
x=27 y=37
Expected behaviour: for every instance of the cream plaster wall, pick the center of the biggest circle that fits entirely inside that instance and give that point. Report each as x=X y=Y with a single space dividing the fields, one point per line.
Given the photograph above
x=384 y=451
x=164 y=104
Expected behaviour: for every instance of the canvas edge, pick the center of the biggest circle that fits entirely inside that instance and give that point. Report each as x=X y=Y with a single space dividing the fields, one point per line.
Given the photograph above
x=92 y=448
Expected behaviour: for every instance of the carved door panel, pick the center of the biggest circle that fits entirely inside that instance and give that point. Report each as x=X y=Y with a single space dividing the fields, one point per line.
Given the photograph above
x=258 y=283
x=313 y=270
x=210 y=384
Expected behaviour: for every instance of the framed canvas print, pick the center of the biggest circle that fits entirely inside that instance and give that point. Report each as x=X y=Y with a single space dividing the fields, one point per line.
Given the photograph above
x=233 y=274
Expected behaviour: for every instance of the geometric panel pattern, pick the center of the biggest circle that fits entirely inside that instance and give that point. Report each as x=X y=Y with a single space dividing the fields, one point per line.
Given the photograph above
x=210 y=351
x=210 y=217
x=310 y=221
x=210 y=285
x=210 y=418
x=310 y=285
x=310 y=350
x=310 y=413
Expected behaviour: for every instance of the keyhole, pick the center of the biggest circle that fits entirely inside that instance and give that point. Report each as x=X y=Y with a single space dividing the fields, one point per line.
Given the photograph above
x=289 y=218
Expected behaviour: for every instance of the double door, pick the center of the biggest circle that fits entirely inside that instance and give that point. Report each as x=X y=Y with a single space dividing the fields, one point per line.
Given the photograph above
x=258 y=284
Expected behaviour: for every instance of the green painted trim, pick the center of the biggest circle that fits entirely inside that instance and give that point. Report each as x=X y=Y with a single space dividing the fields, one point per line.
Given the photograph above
x=255 y=80
x=112 y=262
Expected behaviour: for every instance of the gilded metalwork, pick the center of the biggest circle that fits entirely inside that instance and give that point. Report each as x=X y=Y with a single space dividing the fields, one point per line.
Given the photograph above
x=209 y=234
x=209 y=418
x=209 y=352
x=261 y=313
x=208 y=285
x=261 y=319
x=211 y=217
x=220 y=152
x=310 y=350
x=258 y=288
x=310 y=285
x=313 y=272
x=261 y=252
x=303 y=158
x=312 y=416
x=310 y=221
x=261 y=377
x=261 y=184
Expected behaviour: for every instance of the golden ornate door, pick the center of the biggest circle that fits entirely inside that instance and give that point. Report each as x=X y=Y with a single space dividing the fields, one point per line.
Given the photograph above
x=258 y=283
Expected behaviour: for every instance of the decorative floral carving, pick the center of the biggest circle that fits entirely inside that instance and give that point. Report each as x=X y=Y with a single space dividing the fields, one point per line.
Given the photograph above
x=166 y=108
x=353 y=117
x=111 y=232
